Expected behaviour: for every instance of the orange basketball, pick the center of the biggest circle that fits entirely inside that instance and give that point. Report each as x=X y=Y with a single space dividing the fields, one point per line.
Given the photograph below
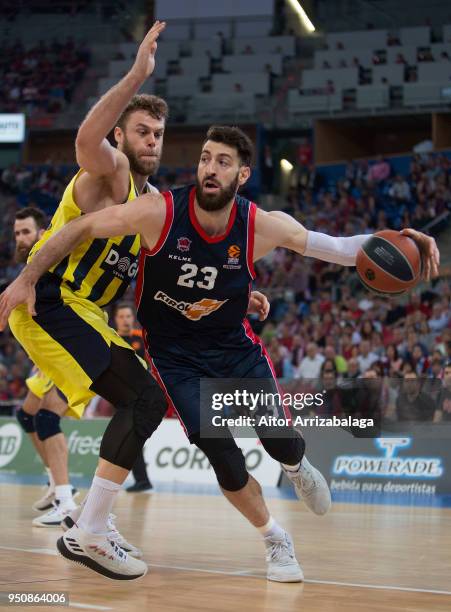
x=389 y=263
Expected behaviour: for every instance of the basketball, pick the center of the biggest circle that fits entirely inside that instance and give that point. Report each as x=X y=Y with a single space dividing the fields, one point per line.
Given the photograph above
x=389 y=263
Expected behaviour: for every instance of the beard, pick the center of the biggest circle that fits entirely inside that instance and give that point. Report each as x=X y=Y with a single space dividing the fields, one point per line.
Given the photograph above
x=145 y=166
x=216 y=201
x=21 y=254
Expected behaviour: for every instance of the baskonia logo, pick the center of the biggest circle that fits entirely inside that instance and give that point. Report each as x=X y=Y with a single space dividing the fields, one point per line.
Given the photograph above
x=10 y=441
x=389 y=465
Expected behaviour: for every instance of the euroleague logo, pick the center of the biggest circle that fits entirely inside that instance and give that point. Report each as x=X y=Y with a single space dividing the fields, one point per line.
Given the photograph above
x=233 y=260
x=124 y=267
x=193 y=311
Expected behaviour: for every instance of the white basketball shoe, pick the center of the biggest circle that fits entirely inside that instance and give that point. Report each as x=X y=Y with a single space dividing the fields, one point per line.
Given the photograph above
x=53 y=517
x=311 y=487
x=281 y=560
x=113 y=533
x=99 y=553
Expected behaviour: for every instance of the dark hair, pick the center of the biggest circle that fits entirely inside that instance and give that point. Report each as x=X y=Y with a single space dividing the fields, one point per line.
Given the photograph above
x=37 y=214
x=233 y=137
x=122 y=305
x=153 y=105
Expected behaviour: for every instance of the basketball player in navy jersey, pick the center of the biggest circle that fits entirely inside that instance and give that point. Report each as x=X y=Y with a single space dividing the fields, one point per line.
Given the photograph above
x=199 y=245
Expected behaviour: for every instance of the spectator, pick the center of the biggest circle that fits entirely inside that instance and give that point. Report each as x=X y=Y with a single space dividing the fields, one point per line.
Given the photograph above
x=366 y=357
x=400 y=190
x=412 y=404
x=443 y=402
x=439 y=318
x=310 y=366
x=379 y=171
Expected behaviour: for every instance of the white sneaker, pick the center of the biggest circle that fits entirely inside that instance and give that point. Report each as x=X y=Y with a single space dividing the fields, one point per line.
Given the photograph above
x=53 y=517
x=100 y=554
x=281 y=560
x=47 y=500
x=115 y=536
x=311 y=487
x=113 y=533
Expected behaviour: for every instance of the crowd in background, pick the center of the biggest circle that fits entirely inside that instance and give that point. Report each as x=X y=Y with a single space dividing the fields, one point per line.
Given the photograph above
x=322 y=324
x=43 y=78
x=370 y=197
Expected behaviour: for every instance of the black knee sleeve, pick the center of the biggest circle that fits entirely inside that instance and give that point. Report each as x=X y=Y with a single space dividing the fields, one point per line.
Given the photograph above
x=26 y=421
x=140 y=407
x=47 y=424
x=288 y=450
x=120 y=444
x=226 y=459
x=131 y=425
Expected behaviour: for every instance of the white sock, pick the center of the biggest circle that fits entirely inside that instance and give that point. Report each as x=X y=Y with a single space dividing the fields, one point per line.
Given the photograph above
x=94 y=516
x=63 y=493
x=50 y=477
x=292 y=468
x=272 y=529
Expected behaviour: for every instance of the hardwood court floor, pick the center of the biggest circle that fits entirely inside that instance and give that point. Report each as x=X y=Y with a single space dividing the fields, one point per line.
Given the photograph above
x=203 y=556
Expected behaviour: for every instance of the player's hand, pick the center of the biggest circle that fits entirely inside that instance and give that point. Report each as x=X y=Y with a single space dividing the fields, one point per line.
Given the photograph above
x=429 y=252
x=259 y=305
x=145 y=58
x=20 y=291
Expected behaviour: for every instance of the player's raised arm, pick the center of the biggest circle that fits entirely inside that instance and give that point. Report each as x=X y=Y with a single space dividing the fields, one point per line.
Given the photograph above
x=277 y=229
x=94 y=152
x=144 y=215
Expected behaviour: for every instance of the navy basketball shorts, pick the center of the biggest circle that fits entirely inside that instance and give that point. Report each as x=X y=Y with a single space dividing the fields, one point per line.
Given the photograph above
x=180 y=365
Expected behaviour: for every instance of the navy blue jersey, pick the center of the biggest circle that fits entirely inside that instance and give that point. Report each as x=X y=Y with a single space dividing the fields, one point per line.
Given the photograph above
x=190 y=284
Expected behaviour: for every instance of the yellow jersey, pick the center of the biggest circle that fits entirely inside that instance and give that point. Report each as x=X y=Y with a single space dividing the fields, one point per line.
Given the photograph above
x=99 y=269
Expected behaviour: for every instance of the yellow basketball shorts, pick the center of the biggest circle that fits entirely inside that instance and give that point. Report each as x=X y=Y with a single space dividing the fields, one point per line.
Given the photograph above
x=39 y=384
x=69 y=340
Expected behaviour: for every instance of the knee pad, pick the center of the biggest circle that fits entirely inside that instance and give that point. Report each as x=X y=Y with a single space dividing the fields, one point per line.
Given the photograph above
x=131 y=425
x=148 y=410
x=47 y=424
x=26 y=421
x=288 y=450
x=226 y=459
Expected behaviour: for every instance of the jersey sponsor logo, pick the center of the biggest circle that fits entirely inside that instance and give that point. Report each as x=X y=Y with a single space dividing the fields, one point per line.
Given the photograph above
x=179 y=257
x=233 y=261
x=183 y=244
x=193 y=311
x=123 y=266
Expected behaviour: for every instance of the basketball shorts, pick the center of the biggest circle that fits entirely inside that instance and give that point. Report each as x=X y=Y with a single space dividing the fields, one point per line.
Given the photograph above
x=180 y=365
x=39 y=384
x=69 y=340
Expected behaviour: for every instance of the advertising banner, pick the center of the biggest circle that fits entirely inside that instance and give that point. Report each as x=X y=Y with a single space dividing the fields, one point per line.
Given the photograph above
x=169 y=455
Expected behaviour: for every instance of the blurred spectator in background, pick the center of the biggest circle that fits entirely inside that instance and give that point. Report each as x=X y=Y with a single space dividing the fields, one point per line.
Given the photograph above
x=310 y=366
x=412 y=403
x=443 y=402
x=379 y=171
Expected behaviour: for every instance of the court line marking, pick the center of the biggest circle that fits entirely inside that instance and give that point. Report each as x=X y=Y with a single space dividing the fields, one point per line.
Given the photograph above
x=49 y=551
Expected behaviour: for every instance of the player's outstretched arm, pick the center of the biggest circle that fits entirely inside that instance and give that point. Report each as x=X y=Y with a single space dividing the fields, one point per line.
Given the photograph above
x=144 y=215
x=276 y=228
x=94 y=152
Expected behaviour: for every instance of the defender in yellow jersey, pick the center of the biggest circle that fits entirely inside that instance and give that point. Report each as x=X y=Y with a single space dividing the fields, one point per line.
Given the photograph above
x=77 y=333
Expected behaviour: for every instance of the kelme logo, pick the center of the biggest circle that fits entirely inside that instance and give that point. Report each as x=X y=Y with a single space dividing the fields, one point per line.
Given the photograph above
x=10 y=441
